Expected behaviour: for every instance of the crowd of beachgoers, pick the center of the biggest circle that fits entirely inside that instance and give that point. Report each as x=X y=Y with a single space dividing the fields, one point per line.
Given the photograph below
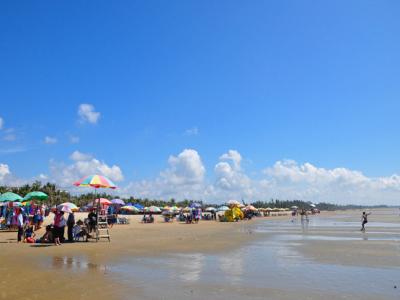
x=27 y=217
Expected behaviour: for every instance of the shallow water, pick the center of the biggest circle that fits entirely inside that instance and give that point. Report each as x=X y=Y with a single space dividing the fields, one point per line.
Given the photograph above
x=250 y=272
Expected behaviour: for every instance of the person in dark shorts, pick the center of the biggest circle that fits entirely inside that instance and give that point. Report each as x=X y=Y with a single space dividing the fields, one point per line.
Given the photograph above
x=364 y=220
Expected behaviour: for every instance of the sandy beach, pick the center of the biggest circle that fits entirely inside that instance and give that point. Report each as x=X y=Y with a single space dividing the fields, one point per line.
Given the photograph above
x=245 y=260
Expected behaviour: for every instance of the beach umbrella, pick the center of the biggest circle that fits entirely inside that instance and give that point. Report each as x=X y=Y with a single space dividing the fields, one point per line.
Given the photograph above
x=174 y=208
x=96 y=181
x=129 y=208
x=70 y=205
x=65 y=208
x=118 y=202
x=194 y=205
x=138 y=206
x=187 y=209
x=10 y=197
x=250 y=207
x=211 y=208
x=233 y=202
x=103 y=201
x=166 y=207
x=223 y=208
x=35 y=196
x=313 y=205
x=294 y=207
x=153 y=209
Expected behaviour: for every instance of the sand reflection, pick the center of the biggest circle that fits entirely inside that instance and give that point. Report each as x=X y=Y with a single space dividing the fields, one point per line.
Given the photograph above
x=75 y=264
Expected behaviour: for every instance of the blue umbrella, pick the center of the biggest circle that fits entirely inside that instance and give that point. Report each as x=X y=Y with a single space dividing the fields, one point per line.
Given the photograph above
x=138 y=206
x=118 y=202
x=194 y=205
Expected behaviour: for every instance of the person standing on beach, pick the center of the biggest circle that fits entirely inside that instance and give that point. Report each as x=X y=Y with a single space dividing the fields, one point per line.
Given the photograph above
x=20 y=224
x=364 y=220
x=70 y=224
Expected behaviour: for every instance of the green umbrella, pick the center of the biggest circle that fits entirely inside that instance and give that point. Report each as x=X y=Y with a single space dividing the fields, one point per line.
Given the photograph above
x=10 y=197
x=35 y=196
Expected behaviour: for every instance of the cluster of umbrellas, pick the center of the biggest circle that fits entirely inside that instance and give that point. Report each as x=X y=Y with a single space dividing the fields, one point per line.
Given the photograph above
x=18 y=200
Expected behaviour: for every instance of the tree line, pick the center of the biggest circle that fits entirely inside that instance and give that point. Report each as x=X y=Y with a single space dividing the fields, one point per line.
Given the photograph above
x=57 y=196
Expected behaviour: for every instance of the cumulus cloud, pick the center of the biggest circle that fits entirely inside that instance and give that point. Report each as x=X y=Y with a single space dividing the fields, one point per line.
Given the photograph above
x=79 y=156
x=82 y=165
x=4 y=171
x=87 y=113
x=1 y=123
x=289 y=179
x=183 y=179
x=231 y=181
x=185 y=169
x=50 y=140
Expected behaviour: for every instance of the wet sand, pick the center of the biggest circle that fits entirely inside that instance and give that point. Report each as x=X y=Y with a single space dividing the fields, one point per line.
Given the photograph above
x=271 y=257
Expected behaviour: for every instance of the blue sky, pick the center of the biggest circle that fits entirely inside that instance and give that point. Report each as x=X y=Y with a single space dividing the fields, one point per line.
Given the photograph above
x=313 y=82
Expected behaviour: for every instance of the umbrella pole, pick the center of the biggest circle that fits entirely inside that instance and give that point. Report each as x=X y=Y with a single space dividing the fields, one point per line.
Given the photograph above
x=97 y=215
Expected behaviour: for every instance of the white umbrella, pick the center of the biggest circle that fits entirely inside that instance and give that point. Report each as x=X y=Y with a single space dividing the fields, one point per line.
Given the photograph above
x=211 y=208
x=312 y=205
x=223 y=208
x=66 y=209
x=233 y=202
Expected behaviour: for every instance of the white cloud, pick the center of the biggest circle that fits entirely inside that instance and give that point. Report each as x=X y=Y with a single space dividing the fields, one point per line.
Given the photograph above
x=4 y=171
x=183 y=179
x=50 y=140
x=192 y=131
x=1 y=123
x=87 y=113
x=79 y=156
x=186 y=168
x=231 y=181
x=83 y=165
x=288 y=179
x=233 y=156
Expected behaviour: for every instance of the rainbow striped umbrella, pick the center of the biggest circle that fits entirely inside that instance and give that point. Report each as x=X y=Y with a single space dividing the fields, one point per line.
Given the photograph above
x=96 y=181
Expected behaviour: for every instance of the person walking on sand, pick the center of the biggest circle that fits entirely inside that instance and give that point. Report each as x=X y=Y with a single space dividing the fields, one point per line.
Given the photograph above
x=364 y=220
